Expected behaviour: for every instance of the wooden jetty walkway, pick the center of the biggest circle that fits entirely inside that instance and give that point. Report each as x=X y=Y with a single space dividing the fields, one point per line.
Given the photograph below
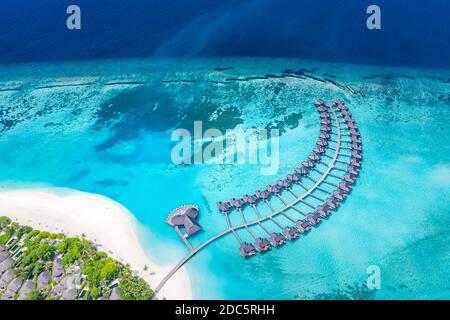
x=339 y=135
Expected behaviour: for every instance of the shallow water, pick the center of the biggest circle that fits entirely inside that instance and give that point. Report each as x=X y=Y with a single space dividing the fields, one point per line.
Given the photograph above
x=104 y=127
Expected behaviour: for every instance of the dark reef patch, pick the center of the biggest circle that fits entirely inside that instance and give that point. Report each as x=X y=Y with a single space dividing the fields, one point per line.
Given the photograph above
x=110 y=182
x=290 y=121
x=223 y=69
x=154 y=109
x=355 y=292
x=78 y=176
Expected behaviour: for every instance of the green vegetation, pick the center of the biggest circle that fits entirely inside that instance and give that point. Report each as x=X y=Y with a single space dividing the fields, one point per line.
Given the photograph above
x=94 y=273
x=35 y=295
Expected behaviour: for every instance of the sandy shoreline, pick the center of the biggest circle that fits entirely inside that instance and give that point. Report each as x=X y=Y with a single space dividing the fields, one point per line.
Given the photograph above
x=101 y=220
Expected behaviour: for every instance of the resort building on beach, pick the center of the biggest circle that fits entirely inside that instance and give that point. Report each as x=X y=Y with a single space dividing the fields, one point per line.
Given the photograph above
x=39 y=265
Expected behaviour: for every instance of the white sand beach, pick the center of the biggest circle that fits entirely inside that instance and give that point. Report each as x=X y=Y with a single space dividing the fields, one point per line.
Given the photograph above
x=101 y=220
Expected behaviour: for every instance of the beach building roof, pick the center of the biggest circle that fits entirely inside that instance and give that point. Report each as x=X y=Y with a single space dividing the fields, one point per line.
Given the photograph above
x=43 y=280
x=5 y=265
x=60 y=287
x=15 y=285
x=115 y=294
x=69 y=294
x=26 y=289
x=185 y=217
x=4 y=255
x=58 y=269
x=6 y=278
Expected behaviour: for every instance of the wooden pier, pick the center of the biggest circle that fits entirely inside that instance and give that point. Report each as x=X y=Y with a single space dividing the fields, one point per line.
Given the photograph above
x=343 y=165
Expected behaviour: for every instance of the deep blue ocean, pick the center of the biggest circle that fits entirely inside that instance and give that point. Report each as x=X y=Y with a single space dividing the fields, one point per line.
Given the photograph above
x=414 y=33
x=94 y=109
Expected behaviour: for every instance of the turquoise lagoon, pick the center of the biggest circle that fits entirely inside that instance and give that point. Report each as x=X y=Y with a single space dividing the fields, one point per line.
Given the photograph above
x=104 y=127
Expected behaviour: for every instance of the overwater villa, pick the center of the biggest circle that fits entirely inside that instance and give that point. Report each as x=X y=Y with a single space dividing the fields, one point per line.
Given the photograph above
x=323 y=210
x=346 y=149
x=262 y=194
x=276 y=239
x=250 y=199
x=314 y=157
x=339 y=195
x=237 y=203
x=322 y=143
x=273 y=189
x=290 y=233
x=303 y=226
x=294 y=178
x=313 y=218
x=262 y=244
x=308 y=164
x=302 y=171
x=224 y=206
x=319 y=150
x=247 y=249
x=332 y=203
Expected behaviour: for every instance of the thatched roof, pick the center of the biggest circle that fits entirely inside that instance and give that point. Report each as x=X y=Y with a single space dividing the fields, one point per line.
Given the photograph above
x=58 y=269
x=26 y=289
x=6 y=278
x=115 y=294
x=3 y=255
x=5 y=265
x=69 y=294
x=43 y=280
x=14 y=285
